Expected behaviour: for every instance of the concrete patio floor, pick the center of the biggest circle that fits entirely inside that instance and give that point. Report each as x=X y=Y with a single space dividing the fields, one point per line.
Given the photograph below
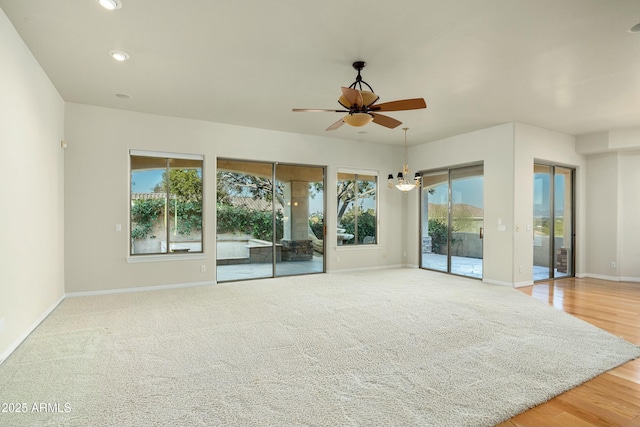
x=469 y=267
x=472 y=267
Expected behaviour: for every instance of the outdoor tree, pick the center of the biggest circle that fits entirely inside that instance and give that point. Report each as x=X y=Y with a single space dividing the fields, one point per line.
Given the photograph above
x=185 y=204
x=351 y=198
x=239 y=184
x=231 y=218
x=185 y=201
x=347 y=194
x=184 y=184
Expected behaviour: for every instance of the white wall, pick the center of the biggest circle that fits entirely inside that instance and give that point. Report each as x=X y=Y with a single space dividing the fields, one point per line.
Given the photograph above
x=32 y=191
x=613 y=203
x=508 y=152
x=602 y=218
x=536 y=144
x=613 y=224
x=629 y=215
x=494 y=147
x=97 y=192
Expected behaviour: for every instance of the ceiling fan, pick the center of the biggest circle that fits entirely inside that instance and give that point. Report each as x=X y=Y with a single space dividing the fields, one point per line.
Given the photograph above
x=361 y=108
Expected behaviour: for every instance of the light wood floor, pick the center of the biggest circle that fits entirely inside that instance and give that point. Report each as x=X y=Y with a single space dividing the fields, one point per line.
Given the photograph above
x=613 y=398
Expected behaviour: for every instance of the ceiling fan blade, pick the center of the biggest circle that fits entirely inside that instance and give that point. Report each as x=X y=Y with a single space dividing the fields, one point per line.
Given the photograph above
x=317 y=110
x=352 y=96
x=386 y=121
x=403 y=104
x=336 y=125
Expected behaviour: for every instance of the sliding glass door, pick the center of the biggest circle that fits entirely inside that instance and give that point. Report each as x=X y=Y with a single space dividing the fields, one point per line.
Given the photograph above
x=553 y=221
x=300 y=248
x=452 y=216
x=270 y=220
x=435 y=221
x=467 y=220
x=245 y=220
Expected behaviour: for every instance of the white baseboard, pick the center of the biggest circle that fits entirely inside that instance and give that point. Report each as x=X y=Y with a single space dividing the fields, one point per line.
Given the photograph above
x=497 y=282
x=523 y=284
x=140 y=289
x=379 y=267
x=26 y=333
x=602 y=277
x=613 y=278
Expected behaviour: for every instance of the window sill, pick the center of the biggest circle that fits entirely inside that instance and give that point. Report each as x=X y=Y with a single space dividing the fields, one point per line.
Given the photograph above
x=164 y=258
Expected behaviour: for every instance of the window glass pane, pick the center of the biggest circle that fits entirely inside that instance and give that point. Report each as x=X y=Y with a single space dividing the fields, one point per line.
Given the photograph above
x=542 y=191
x=245 y=212
x=435 y=220
x=185 y=206
x=563 y=222
x=346 y=213
x=148 y=203
x=367 y=217
x=357 y=211
x=301 y=247
x=166 y=205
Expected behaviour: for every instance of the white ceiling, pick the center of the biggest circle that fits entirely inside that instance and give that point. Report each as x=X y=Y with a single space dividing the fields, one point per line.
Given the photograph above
x=567 y=65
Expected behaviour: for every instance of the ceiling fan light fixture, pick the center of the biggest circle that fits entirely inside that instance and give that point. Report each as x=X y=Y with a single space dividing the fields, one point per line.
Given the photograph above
x=358 y=119
x=368 y=98
x=344 y=102
x=110 y=4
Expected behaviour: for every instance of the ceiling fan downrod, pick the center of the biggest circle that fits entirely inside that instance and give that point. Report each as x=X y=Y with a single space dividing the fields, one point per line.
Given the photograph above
x=359 y=65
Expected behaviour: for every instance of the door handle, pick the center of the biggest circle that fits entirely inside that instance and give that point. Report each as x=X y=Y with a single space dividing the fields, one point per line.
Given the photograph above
x=481 y=232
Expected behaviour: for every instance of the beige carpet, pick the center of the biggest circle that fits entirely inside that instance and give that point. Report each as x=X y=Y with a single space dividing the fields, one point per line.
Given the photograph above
x=376 y=348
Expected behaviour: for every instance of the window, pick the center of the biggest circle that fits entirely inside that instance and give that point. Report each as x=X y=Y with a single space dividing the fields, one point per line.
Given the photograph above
x=166 y=203
x=357 y=209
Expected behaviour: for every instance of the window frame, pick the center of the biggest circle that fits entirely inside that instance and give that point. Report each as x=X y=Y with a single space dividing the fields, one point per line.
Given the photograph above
x=357 y=173
x=168 y=255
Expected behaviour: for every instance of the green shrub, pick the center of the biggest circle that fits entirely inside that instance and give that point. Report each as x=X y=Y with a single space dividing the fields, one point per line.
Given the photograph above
x=234 y=219
x=144 y=213
x=438 y=232
x=366 y=225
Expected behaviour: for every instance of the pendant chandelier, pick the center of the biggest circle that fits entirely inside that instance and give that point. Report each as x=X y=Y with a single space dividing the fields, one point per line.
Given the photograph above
x=402 y=182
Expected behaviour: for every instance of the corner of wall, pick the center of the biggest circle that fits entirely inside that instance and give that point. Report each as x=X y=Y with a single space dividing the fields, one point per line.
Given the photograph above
x=33 y=126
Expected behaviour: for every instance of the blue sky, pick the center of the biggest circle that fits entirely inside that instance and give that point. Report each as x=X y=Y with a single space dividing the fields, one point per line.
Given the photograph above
x=145 y=181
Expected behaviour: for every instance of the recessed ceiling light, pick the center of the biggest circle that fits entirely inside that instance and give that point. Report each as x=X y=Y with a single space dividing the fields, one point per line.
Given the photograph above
x=635 y=29
x=119 y=55
x=123 y=96
x=110 y=4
